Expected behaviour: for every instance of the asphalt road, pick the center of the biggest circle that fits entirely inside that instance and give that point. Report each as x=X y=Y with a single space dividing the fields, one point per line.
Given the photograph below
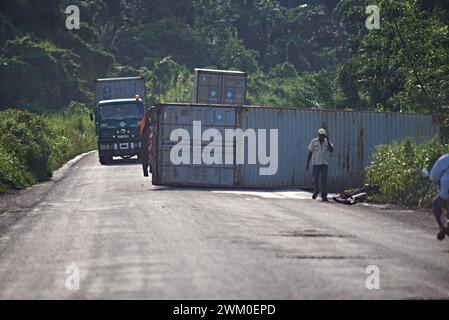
x=129 y=239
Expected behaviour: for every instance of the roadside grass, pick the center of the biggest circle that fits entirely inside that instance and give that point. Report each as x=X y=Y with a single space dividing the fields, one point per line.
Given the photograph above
x=396 y=171
x=32 y=146
x=73 y=133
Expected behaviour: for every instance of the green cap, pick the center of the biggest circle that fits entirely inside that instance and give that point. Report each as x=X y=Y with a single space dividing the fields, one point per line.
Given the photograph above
x=322 y=131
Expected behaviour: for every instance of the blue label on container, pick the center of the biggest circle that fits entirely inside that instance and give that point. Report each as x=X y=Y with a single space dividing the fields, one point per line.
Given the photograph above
x=219 y=116
x=213 y=94
x=230 y=94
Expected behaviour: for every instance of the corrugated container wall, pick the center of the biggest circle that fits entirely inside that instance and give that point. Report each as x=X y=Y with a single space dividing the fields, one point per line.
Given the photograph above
x=219 y=87
x=119 y=88
x=354 y=134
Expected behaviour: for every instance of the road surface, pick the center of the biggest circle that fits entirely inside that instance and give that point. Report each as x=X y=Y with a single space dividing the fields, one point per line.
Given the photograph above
x=129 y=239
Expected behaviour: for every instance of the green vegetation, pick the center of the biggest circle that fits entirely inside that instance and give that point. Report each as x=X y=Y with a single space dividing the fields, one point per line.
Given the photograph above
x=299 y=53
x=396 y=170
x=387 y=74
x=72 y=133
x=32 y=146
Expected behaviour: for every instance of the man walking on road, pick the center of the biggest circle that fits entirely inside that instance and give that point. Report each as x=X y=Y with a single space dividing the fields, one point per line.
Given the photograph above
x=440 y=174
x=320 y=150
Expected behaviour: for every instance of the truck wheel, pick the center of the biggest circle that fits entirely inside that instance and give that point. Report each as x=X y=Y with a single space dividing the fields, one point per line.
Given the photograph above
x=105 y=160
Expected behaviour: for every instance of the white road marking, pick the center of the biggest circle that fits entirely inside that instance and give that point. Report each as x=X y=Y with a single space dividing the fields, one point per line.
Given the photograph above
x=293 y=194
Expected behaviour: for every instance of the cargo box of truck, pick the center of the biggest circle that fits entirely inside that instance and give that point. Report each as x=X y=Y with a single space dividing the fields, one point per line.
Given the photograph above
x=119 y=88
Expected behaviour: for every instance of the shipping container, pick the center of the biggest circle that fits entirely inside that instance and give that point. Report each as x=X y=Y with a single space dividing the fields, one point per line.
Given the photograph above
x=219 y=87
x=354 y=135
x=119 y=88
x=181 y=116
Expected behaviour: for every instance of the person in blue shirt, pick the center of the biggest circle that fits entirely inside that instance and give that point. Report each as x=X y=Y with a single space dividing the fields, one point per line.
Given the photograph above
x=440 y=175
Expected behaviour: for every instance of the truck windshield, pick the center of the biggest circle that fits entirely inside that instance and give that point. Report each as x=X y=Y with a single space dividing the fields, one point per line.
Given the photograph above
x=121 y=111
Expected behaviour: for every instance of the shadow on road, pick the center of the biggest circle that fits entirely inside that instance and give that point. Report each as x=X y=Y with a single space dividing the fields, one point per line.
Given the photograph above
x=123 y=162
x=230 y=189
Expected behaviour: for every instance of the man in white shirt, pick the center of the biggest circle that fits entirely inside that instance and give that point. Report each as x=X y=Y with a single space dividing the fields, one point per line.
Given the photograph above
x=320 y=150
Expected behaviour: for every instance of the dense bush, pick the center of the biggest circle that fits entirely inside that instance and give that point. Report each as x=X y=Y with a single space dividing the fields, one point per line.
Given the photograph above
x=32 y=146
x=13 y=173
x=37 y=74
x=44 y=66
x=396 y=170
x=72 y=133
x=283 y=87
x=26 y=137
x=167 y=81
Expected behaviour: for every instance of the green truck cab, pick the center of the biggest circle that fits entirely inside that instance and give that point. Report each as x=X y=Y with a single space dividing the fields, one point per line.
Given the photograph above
x=117 y=125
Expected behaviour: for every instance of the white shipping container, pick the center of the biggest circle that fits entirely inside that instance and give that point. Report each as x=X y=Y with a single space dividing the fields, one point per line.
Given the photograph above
x=354 y=134
x=219 y=87
x=119 y=88
x=181 y=116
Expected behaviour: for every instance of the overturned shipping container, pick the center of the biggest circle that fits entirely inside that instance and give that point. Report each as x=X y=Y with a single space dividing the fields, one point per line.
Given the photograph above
x=184 y=128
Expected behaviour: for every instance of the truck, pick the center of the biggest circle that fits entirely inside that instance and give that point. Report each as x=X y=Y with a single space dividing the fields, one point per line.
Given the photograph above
x=119 y=108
